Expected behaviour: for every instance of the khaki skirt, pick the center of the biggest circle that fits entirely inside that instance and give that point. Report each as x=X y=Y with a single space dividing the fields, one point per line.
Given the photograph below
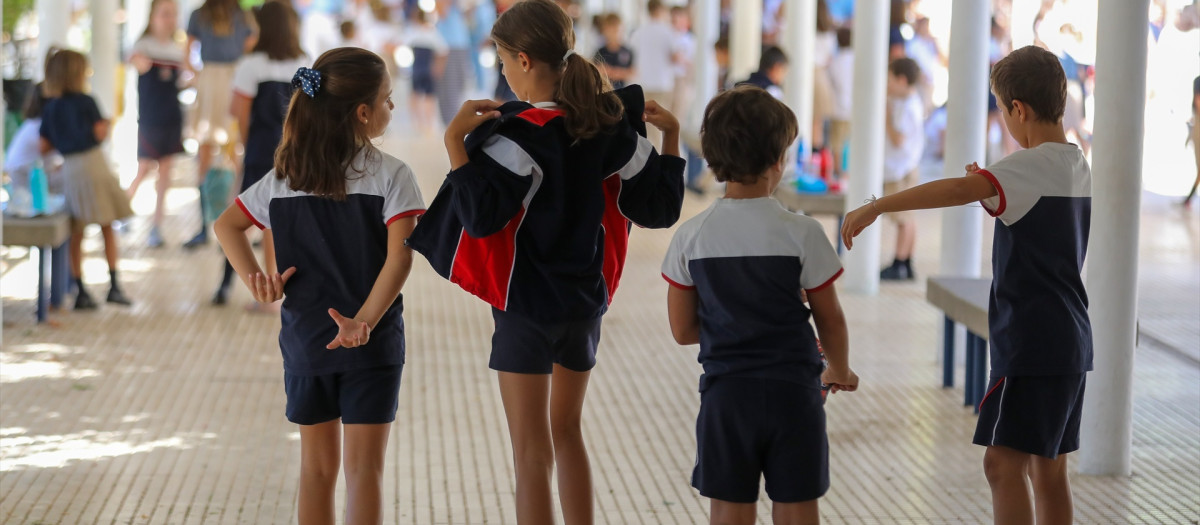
x=214 y=95
x=94 y=195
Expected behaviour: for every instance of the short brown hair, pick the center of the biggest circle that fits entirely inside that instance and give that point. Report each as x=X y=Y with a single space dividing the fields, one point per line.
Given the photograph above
x=1036 y=78
x=608 y=20
x=906 y=68
x=66 y=72
x=745 y=132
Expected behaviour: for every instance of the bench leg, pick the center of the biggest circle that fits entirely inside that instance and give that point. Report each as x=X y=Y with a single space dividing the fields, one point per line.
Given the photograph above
x=42 y=293
x=979 y=348
x=58 y=276
x=968 y=375
x=948 y=357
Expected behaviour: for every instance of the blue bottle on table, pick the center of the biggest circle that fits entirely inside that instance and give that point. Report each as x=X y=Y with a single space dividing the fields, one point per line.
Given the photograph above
x=38 y=187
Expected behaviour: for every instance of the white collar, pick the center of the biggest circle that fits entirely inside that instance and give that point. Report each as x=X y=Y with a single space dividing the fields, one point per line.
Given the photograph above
x=544 y=105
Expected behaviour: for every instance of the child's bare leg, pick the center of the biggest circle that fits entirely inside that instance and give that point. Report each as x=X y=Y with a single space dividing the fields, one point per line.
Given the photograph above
x=204 y=156
x=906 y=239
x=161 y=186
x=730 y=513
x=111 y=247
x=320 y=457
x=75 y=254
x=363 y=456
x=802 y=513
x=567 y=389
x=1051 y=490
x=526 y=399
x=1007 y=472
x=144 y=167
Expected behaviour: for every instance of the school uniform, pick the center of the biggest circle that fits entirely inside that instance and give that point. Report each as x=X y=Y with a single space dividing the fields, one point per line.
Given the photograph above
x=219 y=53
x=761 y=409
x=1039 y=330
x=760 y=79
x=315 y=234
x=537 y=225
x=621 y=57
x=427 y=45
x=160 y=116
x=93 y=193
x=268 y=83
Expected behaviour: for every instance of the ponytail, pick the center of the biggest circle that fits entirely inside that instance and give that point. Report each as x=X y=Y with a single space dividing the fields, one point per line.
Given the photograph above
x=586 y=98
x=541 y=29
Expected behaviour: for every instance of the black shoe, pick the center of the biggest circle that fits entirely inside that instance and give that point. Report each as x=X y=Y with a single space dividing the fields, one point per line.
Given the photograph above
x=199 y=240
x=895 y=272
x=221 y=297
x=83 y=301
x=116 y=297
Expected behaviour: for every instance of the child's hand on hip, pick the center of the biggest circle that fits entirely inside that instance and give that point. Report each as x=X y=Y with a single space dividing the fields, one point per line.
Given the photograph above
x=269 y=288
x=470 y=116
x=839 y=380
x=351 y=332
x=660 y=118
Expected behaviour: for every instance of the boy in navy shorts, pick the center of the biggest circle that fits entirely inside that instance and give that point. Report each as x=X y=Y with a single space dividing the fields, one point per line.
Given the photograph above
x=1041 y=338
x=738 y=273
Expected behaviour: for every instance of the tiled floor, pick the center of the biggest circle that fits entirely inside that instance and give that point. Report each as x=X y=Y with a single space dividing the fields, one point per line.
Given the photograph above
x=172 y=411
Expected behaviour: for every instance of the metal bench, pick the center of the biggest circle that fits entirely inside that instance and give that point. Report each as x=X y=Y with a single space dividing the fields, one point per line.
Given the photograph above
x=46 y=233
x=965 y=301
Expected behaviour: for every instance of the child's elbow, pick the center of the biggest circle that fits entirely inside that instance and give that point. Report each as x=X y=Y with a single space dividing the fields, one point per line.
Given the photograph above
x=686 y=335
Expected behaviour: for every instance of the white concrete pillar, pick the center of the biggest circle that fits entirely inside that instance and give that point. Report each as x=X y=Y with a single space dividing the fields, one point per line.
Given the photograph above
x=105 y=55
x=706 y=27
x=745 y=39
x=54 y=20
x=1106 y=433
x=966 y=133
x=798 y=41
x=866 y=137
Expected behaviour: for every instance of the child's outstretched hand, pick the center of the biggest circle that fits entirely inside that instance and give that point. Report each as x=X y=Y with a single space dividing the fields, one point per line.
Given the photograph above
x=972 y=167
x=857 y=221
x=351 y=332
x=470 y=116
x=839 y=380
x=269 y=288
x=660 y=118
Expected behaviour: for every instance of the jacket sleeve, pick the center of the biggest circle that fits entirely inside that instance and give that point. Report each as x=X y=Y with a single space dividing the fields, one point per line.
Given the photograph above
x=651 y=184
x=494 y=186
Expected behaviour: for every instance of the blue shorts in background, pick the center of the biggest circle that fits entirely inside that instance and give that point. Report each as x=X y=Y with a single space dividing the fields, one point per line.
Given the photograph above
x=367 y=396
x=523 y=346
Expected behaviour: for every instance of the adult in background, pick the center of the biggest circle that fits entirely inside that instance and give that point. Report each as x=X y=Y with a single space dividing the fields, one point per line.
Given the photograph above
x=653 y=45
x=225 y=32
x=452 y=24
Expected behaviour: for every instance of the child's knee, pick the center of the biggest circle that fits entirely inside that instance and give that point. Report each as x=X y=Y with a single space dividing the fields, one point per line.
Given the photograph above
x=566 y=429
x=1002 y=465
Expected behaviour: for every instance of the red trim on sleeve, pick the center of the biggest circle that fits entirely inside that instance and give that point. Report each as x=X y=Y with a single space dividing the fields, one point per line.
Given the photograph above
x=248 y=214
x=826 y=284
x=398 y=216
x=989 y=392
x=999 y=189
x=677 y=285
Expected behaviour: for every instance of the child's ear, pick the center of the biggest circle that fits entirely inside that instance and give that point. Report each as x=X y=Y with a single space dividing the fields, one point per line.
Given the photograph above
x=523 y=59
x=363 y=113
x=1020 y=111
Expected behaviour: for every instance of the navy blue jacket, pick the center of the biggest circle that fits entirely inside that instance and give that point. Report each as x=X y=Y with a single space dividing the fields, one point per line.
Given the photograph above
x=538 y=223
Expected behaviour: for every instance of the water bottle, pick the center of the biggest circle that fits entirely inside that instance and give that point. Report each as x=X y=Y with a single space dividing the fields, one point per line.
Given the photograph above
x=38 y=187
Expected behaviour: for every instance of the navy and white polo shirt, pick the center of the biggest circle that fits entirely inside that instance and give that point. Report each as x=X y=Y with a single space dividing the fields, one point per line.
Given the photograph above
x=268 y=83
x=748 y=259
x=1038 y=318
x=158 y=88
x=338 y=249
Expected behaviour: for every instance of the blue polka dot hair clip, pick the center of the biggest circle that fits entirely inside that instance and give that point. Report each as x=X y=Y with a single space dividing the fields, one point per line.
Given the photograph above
x=308 y=80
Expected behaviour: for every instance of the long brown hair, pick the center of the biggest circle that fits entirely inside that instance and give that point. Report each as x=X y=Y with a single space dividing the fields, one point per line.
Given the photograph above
x=221 y=15
x=154 y=4
x=322 y=136
x=66 y=72
x=279 y=31
x=540 y=29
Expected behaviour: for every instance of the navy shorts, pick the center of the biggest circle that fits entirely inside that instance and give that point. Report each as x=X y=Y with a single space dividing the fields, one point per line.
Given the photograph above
x=524 y=346
x=1033 y=414
x=159 y=141
x=422 y=83
x=359 y=397
x=751 y=427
